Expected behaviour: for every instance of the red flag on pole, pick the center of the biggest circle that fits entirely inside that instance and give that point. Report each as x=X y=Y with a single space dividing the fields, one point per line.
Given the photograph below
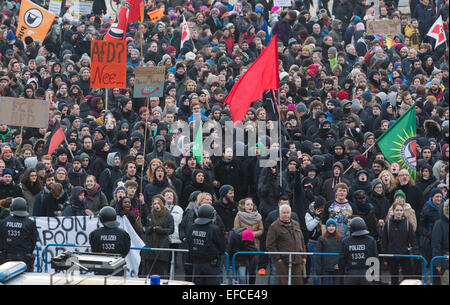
x=55 y=139
x=261 y=76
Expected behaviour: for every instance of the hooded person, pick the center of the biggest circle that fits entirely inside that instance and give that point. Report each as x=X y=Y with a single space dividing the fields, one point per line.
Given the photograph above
x=111 y=174
x=198 y=183
x=125 y=208
x=77 y=205
x=159 y=183
x=443 y=161
x=378 y=199
x=121 y=144
x=101 y=153
x=77 y=174
x=159 y=150
x=330 y=183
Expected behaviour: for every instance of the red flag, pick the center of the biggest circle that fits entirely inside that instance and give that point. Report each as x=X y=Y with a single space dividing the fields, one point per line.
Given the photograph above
x=55 y=139
x=129 y=12
x=261 y=76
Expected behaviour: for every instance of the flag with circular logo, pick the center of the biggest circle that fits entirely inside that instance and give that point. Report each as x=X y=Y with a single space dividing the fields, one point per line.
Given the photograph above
x=34 y=21
x=398 y=143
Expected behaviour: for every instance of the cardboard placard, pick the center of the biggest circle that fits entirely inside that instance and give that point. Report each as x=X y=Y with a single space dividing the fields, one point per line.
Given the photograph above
x=384 y=27
x=24 y=112
x=149 y=82
x=108 y=64
x=55 y=7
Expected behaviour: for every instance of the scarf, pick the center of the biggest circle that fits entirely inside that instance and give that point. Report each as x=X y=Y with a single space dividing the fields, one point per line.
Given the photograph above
x=93 y=191
x=32 y=187
x=363 y=207
x=157 y=221
x=251 y=218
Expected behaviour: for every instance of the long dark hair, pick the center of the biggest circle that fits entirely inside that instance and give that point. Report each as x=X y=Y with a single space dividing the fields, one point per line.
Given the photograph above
x=26 y=179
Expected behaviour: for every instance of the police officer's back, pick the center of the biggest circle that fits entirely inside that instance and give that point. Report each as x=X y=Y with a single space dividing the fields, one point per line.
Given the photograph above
x=206 y=244
x=357 y=248
x=109 y=238
x=18 y=235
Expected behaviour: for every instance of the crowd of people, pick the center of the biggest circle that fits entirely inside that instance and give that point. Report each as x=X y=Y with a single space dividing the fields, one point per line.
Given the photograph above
x=340 y=89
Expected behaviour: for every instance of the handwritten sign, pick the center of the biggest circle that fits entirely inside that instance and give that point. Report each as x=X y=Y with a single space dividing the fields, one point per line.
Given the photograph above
x=55 y=7
x=383 y=27
x=24 y=112
x=108 y=64
x=282 y=3
x=149 y=82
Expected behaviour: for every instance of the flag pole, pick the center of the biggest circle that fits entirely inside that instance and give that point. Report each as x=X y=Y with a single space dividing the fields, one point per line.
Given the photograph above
x=367 y=150
x=276 y=103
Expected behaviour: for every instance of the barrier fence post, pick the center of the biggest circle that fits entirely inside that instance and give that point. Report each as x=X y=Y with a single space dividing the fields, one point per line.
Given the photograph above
x=431 y=266
x=290 y=270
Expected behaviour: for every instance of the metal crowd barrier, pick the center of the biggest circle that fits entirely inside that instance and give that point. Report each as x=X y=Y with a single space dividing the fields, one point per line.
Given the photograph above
x=233 y=266
x=172 y=263
x=431 y=266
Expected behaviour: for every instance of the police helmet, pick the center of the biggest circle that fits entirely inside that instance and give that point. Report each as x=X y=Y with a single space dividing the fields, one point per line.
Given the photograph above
x=19 y=207
x=205 y=214
x=358 y=227
x=108 y=217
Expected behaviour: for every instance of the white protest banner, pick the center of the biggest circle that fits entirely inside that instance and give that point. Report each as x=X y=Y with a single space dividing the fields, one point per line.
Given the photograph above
x=81 y=7
x=75 y=230
x=55 y=7
x=282 y=3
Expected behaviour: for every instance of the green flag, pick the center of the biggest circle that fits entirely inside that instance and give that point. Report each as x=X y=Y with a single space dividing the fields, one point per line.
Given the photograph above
x=197 y=150
x=398 y=143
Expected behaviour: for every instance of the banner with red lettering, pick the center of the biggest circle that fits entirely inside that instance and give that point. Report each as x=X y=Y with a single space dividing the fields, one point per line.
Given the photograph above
x=108 y=64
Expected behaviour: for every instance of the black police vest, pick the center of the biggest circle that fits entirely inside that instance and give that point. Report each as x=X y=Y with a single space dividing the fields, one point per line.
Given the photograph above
x=357 y=251
x=107 y=240
x=201 y=245
x=18 y=235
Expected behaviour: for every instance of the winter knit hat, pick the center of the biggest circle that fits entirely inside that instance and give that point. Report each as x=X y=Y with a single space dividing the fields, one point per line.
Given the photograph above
x=7 y=171
x=375 y=182
x=435 y=191
x=248 y=234
x=224 y=190
x=330 y=221
x=361 y=160
x=399 y=193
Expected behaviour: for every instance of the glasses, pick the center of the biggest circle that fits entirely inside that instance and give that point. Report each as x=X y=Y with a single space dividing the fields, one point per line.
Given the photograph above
x=403 y=175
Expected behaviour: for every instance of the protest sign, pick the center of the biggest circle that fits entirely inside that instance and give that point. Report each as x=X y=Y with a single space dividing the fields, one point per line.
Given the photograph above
x=149 y=82
x=75 y=230
x=79 y=8
x=34 y=21
x=55 y=7
x=155 y=15
x=108 y=64
x=24 y=112
x=282 y=3
x=384 y=27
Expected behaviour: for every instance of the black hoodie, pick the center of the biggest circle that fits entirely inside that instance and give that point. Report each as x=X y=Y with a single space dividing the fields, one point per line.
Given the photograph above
x=75 y=206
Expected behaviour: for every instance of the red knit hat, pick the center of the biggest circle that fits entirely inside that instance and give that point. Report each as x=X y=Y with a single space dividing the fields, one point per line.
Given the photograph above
x=342 y=95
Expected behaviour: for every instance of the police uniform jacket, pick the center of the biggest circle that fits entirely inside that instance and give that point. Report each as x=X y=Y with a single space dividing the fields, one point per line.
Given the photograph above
x=205 y=242
x=356 y=250
x=108 y=240
x=18 y=236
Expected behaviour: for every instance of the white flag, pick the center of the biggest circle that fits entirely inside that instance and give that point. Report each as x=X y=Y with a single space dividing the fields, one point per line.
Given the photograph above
x=437 y=32
x=185 y=33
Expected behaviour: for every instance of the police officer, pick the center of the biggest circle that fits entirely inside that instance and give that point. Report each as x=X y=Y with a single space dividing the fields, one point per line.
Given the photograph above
x=18 y=235
x=206 y=244
x=109 y=238
x=357 y=248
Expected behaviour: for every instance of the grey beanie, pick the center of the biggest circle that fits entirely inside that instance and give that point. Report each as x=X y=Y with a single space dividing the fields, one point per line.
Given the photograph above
x=31 y=162
x=375 y=182
x=368 y=134
x=301 y=107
